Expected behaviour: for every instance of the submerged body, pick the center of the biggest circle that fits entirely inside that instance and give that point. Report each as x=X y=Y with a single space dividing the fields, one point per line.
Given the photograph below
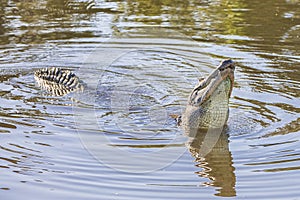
x=207 y=105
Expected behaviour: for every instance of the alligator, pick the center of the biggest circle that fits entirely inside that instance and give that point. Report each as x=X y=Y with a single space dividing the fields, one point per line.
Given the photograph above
x=207 y=105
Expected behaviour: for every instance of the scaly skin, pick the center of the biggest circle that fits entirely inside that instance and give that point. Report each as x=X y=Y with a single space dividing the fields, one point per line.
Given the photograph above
x=207 y=105
x=58 y=81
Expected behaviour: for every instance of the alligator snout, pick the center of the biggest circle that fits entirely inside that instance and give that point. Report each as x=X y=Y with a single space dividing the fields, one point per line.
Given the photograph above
x=226 y=64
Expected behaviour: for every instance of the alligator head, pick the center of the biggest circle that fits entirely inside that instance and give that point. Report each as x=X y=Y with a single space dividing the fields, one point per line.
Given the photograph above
x=207 y=105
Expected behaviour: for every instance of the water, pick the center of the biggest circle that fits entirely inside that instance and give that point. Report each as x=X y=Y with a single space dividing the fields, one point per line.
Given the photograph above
x=140 y=60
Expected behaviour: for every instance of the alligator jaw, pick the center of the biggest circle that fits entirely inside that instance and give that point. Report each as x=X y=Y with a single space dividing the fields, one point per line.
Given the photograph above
x=205 y=88
x=207 y=105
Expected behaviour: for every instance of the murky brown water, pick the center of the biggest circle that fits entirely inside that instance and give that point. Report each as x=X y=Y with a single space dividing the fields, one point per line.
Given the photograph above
x=140 y=60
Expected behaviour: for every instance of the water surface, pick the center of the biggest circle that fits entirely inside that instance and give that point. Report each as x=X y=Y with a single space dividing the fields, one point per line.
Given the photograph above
x=140 y=60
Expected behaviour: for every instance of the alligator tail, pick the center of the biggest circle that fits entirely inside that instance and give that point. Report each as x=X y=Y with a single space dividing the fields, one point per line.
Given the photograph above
x=58 y=81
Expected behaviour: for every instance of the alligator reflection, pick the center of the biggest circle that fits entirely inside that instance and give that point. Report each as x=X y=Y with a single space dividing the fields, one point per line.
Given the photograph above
x=211 y=152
